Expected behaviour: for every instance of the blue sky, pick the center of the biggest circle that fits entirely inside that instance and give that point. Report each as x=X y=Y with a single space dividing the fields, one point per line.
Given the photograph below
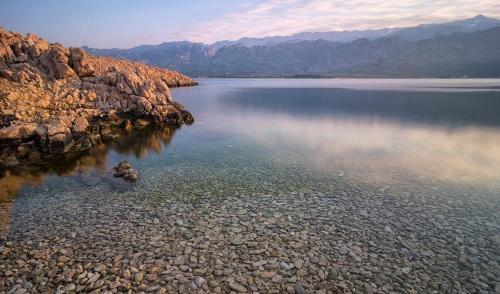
x=127 y=23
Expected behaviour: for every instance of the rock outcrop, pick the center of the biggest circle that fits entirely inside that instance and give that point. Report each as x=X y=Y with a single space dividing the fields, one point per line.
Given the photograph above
x=125 y=170
x=55 y=100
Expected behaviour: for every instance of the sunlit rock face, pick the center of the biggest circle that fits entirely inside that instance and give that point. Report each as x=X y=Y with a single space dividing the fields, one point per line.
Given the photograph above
x=55 y=100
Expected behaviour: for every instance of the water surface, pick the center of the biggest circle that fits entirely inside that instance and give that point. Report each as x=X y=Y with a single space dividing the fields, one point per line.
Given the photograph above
x=403 y=161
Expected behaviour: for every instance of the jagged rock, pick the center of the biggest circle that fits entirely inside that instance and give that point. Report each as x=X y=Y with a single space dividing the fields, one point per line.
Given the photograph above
x=56 y=128
x=53 y=93
x=126 y=171
x=187 y=117
x=60 y=143
x=80 y=124
x=21 y=131
x=79 y=63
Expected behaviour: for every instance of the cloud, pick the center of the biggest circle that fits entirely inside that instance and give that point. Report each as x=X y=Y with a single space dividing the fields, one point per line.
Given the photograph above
x=285 y=17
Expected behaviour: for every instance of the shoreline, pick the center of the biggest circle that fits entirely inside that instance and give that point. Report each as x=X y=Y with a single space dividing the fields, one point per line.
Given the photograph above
x=340 y=239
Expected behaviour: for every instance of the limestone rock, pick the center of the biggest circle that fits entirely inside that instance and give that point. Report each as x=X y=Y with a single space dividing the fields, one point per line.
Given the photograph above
x=61 y=96
x=79 y=62
x=80 y=124
x=21 y=131
x=60 y=143
x=125 y=170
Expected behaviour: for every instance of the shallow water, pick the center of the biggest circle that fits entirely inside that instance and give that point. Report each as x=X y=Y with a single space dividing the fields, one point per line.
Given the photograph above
x=415 y=160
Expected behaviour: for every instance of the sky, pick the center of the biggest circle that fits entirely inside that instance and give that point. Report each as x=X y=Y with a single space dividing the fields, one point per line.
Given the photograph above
x=129 y=23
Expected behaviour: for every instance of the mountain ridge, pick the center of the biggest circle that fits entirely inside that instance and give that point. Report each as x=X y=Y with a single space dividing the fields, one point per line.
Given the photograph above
x=484 y=22
x=322 y=57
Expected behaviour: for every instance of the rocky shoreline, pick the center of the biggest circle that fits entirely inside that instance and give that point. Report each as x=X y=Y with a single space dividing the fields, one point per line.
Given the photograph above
x=344 y=240
x=56 y=101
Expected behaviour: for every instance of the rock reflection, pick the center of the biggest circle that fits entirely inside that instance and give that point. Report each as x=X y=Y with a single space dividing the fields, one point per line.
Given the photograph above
x=142 y=143
x=91 y=166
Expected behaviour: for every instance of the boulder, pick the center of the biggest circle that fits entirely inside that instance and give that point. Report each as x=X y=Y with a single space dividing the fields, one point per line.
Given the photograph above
x=55 y=128
x=79 y=63
x=80 y=125
x=187 y=117
x=36 y=45
x=125 y=170
x=63 y=70
x=61 y=143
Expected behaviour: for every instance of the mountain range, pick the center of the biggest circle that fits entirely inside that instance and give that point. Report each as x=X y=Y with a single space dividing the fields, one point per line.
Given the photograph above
x=469 y=47
x=420 y=32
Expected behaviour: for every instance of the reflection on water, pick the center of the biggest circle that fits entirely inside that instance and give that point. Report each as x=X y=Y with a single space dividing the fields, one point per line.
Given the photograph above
x=412 y=85
x=383 y=132
x=383 y=152
x=137 y=143
x=400 y=131
x=397 y=133
x=90 y=168
x=436 y=108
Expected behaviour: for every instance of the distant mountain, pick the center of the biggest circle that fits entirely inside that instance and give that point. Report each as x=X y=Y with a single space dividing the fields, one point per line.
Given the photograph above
x=340 y=36
x=420 y=32
x=459 y=54
x=185 y=56
x=468 y=47
x=426 y=31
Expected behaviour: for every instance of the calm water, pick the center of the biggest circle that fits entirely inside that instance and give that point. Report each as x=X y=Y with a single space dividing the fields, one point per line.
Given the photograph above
x=335 y=185
x=384 y=132
x=282 y=135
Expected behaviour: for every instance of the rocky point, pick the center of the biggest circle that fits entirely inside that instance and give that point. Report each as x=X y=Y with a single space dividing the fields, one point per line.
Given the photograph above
x=56 y=101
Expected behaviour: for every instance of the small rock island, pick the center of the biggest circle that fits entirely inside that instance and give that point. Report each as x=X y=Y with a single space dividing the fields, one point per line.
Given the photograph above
x=56 y=101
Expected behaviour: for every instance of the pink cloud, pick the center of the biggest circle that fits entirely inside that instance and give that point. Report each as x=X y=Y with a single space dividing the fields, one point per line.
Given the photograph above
x=284 y=17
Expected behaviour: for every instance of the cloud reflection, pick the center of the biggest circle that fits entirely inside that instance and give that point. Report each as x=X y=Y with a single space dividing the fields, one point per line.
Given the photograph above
x=379 y=151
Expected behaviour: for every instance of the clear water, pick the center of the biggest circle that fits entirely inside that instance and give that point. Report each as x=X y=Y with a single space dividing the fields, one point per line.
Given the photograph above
x=403 y=173
x=255 y=136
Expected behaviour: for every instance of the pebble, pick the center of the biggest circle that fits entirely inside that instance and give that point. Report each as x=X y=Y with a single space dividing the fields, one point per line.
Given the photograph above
x=333 y=274
x=308 y=242
x=260 y=263
x=299 y=289
x=298 y=263
x=179 y=260
x=138 y=277
x=267 y=275
x=70 y=287
x=286 y=265
x=200 y=281
x=237 y=287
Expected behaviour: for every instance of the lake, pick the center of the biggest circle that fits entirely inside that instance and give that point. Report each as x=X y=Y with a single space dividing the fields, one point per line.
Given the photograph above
x=280 y=185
